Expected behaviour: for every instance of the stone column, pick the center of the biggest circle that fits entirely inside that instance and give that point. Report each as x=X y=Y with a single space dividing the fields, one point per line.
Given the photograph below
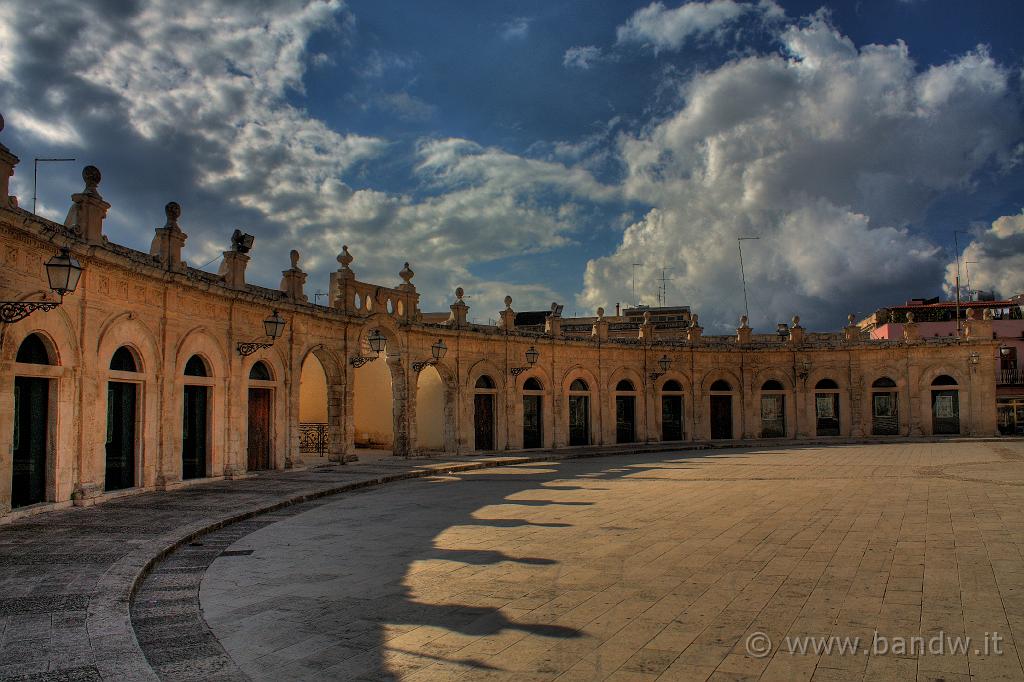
x=402 y=407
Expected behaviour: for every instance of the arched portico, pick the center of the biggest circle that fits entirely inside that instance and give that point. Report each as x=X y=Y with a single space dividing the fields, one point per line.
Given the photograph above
x=531 y=409
x=435 y=409
x=199 y=401
x=626 y=402
x=720 y=398
x=485 y=415
x=672 y=409
x=579 y=421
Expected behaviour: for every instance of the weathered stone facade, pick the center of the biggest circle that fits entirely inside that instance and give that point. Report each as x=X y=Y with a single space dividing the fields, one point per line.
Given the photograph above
x=166 y=313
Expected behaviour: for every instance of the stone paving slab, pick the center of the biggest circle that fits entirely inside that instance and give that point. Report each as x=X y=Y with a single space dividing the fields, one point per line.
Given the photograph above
x=647 y=567
x=85 y=563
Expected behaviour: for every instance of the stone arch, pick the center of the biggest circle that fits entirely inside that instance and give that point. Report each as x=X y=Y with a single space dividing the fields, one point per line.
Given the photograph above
x=199 y=341
x=929 y=374
x=445 y=413
x=563 y=415
x=764 y=400
x=639 y=416
x=658 y=409
x=318 y=419
x=62 y=452
x=364 y=424
x=127 y=330
x=822 y=426
x=927 y=409
x=499 y=408
x=706 y=426
x=517 y=431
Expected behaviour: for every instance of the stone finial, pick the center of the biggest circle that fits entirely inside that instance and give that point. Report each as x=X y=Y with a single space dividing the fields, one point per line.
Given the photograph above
x=508 y=316
x=169 y=239
x=796 y=321
x=647 y=317
x=694 y=331
x=406 y=274
x=910 y=317
x=744 y=322
x=7 y=163
x=173 y=211
x=970 y=313
x=744 y=332
x=460 y=310
x=459 y=293
x=850 y=318
x=293 y=280
x=92 y=177
x=987 y=314
x=852 y=332
x=600 y=313
x=796 y=332
x=345 y=258
x=88 y=210
x=694 y=320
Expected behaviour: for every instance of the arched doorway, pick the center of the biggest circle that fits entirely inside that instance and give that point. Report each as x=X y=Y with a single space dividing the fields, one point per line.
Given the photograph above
x=260 y=448
x=313 y=428
x=122 y=419
x=625 y=412
x=672 y=411
x=579 y=412
x=29 y=475
x=773 y=410
x=195 y=419
x=430 y=412
x=720 y=412
x=373 y=402
x=885 y=414
x=533 y=413
x=945 y=405
x=826 y=407
x=484 y=392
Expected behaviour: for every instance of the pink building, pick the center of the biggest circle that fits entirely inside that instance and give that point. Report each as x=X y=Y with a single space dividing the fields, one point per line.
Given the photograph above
x=939 y=318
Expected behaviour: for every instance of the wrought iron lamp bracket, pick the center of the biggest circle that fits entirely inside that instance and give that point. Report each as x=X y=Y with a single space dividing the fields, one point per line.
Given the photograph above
x=421 y=364
x=516 y=371
x=13 y=311
x=246 y=349
x=358 y=361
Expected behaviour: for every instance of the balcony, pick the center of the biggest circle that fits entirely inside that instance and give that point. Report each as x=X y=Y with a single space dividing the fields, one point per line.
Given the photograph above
x=1011 y=377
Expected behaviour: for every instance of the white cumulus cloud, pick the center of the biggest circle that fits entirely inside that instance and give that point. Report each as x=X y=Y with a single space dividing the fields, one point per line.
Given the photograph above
x=669 y=29
x=994 y=259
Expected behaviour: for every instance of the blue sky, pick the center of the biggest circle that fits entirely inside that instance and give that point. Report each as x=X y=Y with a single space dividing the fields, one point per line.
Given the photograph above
x=540 y=149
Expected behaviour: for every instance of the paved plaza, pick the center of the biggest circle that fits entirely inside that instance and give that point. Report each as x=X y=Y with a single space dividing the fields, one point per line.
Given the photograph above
x=653 y=566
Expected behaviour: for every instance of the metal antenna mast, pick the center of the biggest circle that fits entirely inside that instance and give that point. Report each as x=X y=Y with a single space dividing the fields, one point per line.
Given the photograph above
x=35 y=177
x=663 y=288
x=635 y=266
x=743 y=275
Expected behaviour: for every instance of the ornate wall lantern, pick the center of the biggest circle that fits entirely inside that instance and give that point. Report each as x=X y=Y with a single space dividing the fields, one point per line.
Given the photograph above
x=665 y=362
x=531 y=358
x=273 y=326
x=377 y=342
x=63 y=272
x=437 y=352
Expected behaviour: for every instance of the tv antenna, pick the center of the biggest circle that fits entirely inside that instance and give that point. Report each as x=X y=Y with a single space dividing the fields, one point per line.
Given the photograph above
x=663 y=287
x=635 y=266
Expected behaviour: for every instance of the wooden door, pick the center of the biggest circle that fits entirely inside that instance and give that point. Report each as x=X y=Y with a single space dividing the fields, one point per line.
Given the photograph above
x=31 y=423
x=671 y=417
x=625 y=419
x=721 y=417
x=483 y=421
x=533 y=435
x=946 y=412
x=259 y=429
x=193 y=436
x=121 y=414
x=579 y=420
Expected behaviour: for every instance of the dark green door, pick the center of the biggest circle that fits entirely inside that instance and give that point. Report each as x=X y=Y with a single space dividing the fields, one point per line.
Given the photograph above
x=193 y=437
x=31 y=408
x=945 y=412
x=483 y=421
x=120 y=436
x=625 y=419
x=671 y=417
x=533 y=436
x=579 y=420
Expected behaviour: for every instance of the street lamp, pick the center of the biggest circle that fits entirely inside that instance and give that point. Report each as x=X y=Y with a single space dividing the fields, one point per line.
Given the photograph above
x=63 y=272
x=531 y=358
x=437 y=352
x=376 y=341
x=665 y=362
x=273 y=326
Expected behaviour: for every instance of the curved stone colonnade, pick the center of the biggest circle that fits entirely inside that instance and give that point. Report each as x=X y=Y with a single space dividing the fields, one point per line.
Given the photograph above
x=136 y=381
